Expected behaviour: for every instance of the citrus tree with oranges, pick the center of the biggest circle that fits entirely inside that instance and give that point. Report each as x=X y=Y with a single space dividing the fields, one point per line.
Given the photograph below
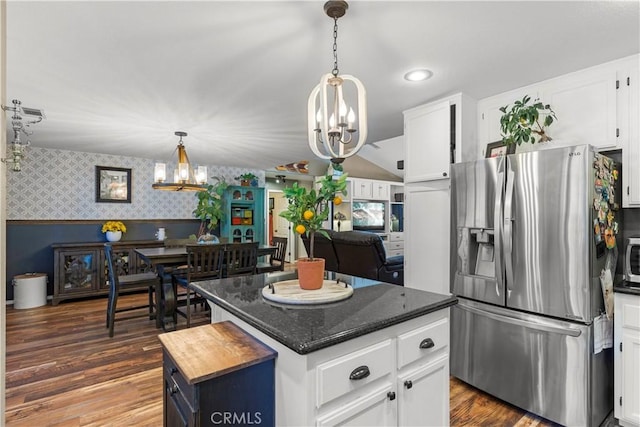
x=308 y=209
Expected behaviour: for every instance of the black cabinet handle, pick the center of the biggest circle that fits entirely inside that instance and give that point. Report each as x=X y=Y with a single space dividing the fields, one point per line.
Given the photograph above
x=391 y=395
x=173 y=370
x=444 y=174
x=359 y=373
x=408 y=384
x=173 y=389
x=427 y=343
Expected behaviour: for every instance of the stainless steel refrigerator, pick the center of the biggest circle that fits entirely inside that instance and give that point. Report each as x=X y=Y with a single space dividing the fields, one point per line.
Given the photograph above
x=531 y=232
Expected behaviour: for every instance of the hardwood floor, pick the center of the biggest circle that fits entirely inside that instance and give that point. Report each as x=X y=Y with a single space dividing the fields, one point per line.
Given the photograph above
x=64 y=370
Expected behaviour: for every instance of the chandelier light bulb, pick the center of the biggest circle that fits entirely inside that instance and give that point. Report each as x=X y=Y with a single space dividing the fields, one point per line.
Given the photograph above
x=160 y=172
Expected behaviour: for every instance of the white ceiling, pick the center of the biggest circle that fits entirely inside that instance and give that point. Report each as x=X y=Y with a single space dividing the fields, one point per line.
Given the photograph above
x=120 y=77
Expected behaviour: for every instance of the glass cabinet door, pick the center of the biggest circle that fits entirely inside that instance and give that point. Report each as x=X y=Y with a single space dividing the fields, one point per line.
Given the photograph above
x=79 y=271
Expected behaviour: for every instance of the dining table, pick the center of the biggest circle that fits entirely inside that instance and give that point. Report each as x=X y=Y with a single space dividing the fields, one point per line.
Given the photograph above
x=162 y=259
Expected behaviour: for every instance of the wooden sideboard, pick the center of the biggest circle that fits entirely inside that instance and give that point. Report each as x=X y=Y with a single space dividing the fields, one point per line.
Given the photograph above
x=80 y=268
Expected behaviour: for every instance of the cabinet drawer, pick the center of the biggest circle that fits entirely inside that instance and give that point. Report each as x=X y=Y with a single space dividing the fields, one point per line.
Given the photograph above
x=395 y=237
x=396 y=252
x=333 y=378
x=423 y=342
x=394 y=245
x=179 y=383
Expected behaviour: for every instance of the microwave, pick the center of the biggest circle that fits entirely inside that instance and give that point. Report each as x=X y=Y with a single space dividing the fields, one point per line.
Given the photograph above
x=632 y=260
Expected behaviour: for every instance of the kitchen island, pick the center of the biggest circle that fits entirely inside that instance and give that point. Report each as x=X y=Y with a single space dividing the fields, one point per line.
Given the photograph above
x=380 y=357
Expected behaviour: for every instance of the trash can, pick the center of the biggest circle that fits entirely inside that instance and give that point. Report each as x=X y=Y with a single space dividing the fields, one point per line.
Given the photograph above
x=29 y=290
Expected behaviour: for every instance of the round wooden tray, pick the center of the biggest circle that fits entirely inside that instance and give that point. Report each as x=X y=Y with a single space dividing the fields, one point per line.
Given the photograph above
x=289 y=292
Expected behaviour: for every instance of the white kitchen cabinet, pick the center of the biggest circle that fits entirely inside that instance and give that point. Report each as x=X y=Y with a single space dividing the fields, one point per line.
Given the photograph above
x=626 y=359
x=629 y=107
x=427 y=236
x=591 y=105
x=434 y=136
x=366 y=189
x=376 y=408
x=316 y=389
x=419 y=401
x=585 y=105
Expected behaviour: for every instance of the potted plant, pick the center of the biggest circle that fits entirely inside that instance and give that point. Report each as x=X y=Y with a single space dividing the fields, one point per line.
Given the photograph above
x=210 y=208
x=307 y=210
x=248 y=179
x=113 y=230
x=519 y=122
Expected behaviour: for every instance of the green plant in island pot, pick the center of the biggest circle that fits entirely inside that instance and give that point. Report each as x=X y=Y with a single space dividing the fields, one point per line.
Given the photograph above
x=524 y=122
x=210 y=208
x=247 y=179
x=307 y=210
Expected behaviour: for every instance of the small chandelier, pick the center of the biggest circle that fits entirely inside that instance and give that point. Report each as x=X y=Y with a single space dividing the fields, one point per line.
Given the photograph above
x=331 y=122
x=184 y=177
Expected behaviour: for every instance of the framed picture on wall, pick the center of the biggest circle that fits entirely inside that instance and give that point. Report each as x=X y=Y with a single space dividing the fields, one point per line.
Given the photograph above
x=113 y=185
x=498 y=148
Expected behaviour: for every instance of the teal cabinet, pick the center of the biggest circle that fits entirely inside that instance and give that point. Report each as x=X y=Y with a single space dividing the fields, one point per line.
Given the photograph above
x=244 y=215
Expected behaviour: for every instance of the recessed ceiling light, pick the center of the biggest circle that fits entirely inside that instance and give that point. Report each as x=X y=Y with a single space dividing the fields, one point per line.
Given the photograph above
x=418 y=75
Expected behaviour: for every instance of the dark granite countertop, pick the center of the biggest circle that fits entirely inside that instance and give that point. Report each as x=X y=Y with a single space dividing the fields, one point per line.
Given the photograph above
x=625 y=287
x=305 y=329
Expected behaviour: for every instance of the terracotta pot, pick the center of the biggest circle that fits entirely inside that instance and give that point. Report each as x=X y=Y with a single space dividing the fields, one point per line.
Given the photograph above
x=311 y=273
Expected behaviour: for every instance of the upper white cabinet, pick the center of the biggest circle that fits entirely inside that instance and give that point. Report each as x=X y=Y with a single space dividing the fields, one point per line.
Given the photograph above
x=591 y=105
x=434 y=136
x=585 y=105
x=629 y=115
x=370 y=190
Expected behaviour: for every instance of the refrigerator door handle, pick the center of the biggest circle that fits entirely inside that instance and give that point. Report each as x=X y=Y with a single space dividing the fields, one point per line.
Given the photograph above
x=497 y=224
x=508 y=226
x=529 y=324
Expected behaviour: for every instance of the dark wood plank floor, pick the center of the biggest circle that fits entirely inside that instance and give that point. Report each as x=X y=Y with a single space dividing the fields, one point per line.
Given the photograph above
x=64 y=370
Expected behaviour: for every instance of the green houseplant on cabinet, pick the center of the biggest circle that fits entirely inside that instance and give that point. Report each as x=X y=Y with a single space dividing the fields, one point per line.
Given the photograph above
x=307 y=210
x=247 y=179
x=210 y=208
x=522 y=122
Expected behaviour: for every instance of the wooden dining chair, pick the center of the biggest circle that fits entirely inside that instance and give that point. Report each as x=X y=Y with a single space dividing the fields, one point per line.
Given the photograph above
x=126 y=283
x=276 y=260
x=241 y=258
x=204 y=262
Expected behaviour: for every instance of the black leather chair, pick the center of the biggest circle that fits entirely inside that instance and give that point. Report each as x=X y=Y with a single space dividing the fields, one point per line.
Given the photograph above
x=362 y=254
x=323 y=248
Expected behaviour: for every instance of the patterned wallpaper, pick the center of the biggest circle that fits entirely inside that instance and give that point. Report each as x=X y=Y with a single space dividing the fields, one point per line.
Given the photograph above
x=60 y=185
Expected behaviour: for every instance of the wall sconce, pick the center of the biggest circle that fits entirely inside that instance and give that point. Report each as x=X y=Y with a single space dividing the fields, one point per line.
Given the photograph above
x=280 y=179
x=18 y=124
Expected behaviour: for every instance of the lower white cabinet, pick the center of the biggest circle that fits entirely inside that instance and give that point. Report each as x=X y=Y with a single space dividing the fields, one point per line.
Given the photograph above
x=417 y=387
x=398 y=375
x=627 y=359
x=376 y=408
x=394 y=245
x=427 y=238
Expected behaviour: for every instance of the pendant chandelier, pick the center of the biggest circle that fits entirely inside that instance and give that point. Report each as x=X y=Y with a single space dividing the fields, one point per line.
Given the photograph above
x=333 y=131
x=184 y=177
